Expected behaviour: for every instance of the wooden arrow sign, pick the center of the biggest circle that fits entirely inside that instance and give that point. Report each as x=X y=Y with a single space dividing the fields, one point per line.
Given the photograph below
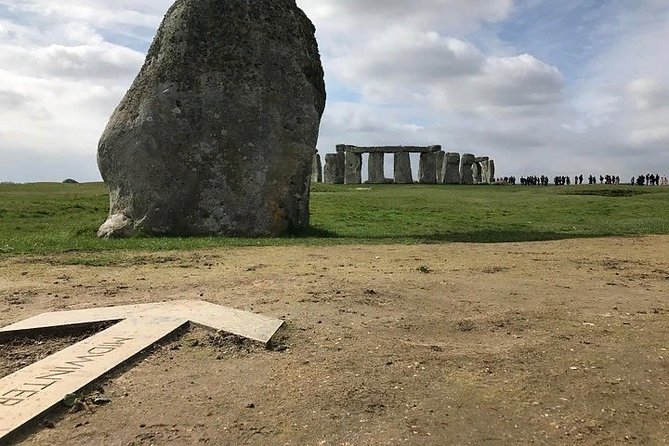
x=31 y=391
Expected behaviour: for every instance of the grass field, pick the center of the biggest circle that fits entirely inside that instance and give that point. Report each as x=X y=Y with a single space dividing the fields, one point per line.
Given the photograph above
x=48 y=218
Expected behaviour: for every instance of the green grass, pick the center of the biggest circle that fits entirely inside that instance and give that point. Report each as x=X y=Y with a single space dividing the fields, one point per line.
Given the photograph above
x=45 y=218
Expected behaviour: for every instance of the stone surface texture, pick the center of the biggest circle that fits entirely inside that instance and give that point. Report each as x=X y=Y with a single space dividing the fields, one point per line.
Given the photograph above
x=466 y=170
x=476 y=172
x=217 y=133
x=485 y=176
x=451 y=168
x=317 y=169
x=376 y=168
x=353 y=173
x=441 y=158
x=390 y=149
x=491 y=171
x=334 y=168
x=427 y=169
x=403 y=173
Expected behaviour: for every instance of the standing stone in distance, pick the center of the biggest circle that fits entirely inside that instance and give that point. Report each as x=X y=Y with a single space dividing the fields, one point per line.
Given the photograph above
x=491 y=171
x=480 y=169
x=441 y=159
x=353 y=172
x=476 y=172
x=317 y=169
x=466 y=169
x=403 y=174
x=427 y=170
x=217 y=133
x=334 y=168
x=451 y=168
x=376 y=167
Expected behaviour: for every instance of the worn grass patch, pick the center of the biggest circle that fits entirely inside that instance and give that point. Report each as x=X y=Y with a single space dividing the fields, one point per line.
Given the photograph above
x=46 y=218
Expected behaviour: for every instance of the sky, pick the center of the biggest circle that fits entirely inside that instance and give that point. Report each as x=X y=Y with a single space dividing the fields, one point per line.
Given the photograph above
x=544 y=87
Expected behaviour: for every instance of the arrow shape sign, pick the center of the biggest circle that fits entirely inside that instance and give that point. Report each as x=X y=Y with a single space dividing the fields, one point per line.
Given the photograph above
x=34 y=389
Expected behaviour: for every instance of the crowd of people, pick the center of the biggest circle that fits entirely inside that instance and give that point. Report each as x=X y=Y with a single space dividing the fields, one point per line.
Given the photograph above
x=641 y=180
x=650 y=180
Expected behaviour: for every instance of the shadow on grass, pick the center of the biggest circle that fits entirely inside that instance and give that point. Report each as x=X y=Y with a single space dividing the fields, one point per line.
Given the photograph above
x=483 y=236
x=331 y=237
x=503 y=236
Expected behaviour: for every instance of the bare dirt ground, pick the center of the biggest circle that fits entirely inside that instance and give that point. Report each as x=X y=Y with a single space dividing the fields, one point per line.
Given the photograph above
x=536 y=343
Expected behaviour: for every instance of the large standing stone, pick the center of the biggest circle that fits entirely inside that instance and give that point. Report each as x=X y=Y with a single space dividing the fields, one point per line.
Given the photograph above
x=491 y=171
x=317 y=169
x=217 y=133
x=476 y=172
x=334 y=168
x=376 y=168
x=427 y=171
x=441 y=158
x=466 y=171
x=485 y=177
x=353 y=174
x=451 y=168
x=403 y=173
x=481 y=163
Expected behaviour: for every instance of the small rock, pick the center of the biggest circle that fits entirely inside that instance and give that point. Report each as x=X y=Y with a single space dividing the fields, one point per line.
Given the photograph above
x=465 y=325
x=70 y=400
x=101 y=400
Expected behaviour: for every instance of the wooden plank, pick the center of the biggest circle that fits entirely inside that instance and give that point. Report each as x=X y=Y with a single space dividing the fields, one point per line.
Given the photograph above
x=40 y=386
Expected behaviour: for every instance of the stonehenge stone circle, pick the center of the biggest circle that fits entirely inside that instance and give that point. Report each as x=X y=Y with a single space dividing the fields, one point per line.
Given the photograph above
x=451 y=168
x=466 y=170
x=436 y=166
x=217 y=133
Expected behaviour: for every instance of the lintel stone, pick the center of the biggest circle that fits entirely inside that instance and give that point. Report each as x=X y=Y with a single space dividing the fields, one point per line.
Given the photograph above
x=390 y=149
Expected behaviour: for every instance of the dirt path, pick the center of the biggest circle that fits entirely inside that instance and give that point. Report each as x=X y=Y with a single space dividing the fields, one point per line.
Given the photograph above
x=535 y=343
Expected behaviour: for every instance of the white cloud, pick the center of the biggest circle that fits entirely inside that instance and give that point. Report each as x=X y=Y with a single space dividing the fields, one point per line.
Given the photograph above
x=509 y=104
x=398 y=72
x=519 y=81
x=371 y=15
x=60 y=82
x=399 y=55
x=648 y=122
x=94 y=12
x=87 y=62
x=648 y=94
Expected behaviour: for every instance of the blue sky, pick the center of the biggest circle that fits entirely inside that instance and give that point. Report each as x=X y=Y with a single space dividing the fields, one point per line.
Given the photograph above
x=542 y=86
